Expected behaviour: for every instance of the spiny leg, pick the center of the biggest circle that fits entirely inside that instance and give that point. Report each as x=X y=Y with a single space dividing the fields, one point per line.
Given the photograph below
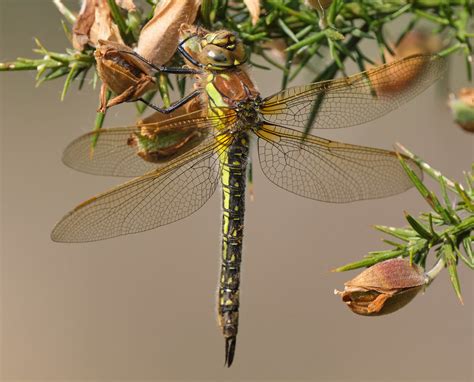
x=187 y=56
x=175 y=105
x=161 y=69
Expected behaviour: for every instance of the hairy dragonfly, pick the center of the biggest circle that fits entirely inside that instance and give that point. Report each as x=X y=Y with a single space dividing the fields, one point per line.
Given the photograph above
x=202 y=141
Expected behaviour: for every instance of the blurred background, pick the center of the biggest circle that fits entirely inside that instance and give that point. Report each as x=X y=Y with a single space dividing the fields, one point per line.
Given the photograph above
x=142 y=307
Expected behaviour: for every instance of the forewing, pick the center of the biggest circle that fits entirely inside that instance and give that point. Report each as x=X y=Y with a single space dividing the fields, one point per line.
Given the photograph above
x=356 y=99
x=114 y=156
x=155 y=199
x=329 y=171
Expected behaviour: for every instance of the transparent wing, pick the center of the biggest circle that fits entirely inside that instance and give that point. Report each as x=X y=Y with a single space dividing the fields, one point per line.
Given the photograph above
x=356 y=99
x=155 y=199
x=115 y=156
x=329 y=171
x=112 y=155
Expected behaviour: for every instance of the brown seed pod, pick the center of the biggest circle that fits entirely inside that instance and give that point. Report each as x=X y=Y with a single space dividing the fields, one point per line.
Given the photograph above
x=94 y=23
x=462 y=108
x=414 y=43
x=160 y=142
x=383 y=288
x=127 y=76
x=159 y=38
x=254 y=8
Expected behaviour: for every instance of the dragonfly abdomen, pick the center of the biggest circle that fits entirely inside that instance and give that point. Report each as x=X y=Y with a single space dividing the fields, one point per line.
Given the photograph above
x=233 y=178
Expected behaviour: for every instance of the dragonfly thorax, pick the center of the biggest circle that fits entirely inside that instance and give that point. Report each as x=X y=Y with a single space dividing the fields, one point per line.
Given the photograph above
x=248 y=112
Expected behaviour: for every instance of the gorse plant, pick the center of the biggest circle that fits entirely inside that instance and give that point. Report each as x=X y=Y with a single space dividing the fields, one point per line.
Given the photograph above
x=443 y=233
x=290 y=35
x=301 y=30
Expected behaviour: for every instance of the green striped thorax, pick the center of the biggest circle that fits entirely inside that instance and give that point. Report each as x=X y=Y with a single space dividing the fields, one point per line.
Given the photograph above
x=221 y=50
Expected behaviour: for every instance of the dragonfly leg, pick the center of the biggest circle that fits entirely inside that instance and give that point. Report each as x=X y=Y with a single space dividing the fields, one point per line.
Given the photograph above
x=175 y=105
x=188 y=57
x=161 y=69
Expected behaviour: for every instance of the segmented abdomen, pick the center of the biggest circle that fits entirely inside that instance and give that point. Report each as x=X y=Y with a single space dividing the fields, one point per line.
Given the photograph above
x=233 y=173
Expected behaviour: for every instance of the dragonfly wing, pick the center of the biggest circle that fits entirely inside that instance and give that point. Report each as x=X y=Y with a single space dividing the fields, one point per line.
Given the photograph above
x=353 y=100
x=112 y=155
x=329 y=171
x=117 y=154
x=155 y=199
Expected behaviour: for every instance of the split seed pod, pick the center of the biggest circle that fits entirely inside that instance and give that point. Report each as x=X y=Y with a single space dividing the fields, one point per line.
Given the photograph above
x=383 y=288
x=127 y=76
x=94 y=23
x=164 y=136
x=159 y=38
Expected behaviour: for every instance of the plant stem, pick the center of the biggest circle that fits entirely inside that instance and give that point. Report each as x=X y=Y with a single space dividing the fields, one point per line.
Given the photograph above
x=435 y=271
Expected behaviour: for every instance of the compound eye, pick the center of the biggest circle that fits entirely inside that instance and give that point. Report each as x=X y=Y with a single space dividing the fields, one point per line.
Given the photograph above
x=217 y=56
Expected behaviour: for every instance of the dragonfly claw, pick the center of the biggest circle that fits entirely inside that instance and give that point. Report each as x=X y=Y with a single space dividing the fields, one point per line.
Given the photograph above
x=229 y=350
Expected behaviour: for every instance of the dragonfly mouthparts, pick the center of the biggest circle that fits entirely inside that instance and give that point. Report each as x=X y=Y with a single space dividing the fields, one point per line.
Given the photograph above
x=229 y=350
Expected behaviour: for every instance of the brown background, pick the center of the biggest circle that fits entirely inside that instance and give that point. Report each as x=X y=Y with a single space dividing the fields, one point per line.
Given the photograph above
x=142 y=307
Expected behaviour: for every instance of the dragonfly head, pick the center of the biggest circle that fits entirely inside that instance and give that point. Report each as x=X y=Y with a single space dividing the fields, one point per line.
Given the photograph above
x=221 y=50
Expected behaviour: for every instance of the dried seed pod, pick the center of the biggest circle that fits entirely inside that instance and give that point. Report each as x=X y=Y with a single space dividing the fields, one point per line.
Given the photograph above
x=462 y=107
x=158 y=143
x=83 y=25
x=127 y=76
x=94 y=23
x=415 y=42
x=254 y=9
x=371 y=303
x=159 y=38
x=383 y=288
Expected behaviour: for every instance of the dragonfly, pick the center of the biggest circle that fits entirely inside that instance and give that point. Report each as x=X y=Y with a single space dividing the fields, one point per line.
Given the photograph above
x=202 y=142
